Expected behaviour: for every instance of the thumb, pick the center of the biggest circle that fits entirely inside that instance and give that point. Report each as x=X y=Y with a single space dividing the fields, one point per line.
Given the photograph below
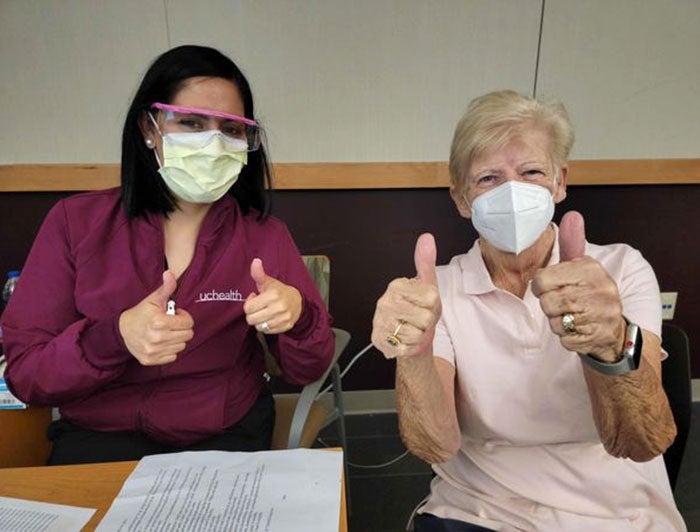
x=425 y=257
x=162 y=294
x=257 y=272
x=572 y=236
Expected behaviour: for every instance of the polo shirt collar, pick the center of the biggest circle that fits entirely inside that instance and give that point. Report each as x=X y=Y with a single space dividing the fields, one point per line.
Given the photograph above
x=476 y=279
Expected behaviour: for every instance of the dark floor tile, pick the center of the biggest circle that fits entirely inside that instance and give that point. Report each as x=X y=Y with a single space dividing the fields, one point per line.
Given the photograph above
x=366 y=425
x=330 y=432
x=383 y=499
x=365 y=454
x=383 y=504
x=692 y=519
x=326 y=442
x=687 y=490
x=378 y=456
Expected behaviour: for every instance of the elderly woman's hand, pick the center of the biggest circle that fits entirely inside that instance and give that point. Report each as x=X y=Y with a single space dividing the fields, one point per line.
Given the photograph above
x=405 y=317
x=579 y=287
x=277 y=306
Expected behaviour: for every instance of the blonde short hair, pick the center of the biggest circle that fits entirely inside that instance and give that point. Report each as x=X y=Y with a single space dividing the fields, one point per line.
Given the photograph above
x=492 y=120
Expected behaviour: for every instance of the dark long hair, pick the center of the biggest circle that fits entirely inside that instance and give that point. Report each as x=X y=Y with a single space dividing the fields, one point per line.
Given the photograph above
x=143 y=190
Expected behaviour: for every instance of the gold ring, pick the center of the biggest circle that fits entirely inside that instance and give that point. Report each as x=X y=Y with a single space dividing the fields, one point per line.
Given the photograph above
x=393 y=339
x=568 y=323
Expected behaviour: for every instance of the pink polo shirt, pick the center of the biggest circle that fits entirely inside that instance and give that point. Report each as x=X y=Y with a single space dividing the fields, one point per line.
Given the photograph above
x=531 y=458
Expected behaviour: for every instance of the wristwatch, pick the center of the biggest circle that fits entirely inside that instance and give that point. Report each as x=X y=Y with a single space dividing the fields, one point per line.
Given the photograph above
x=631 y=353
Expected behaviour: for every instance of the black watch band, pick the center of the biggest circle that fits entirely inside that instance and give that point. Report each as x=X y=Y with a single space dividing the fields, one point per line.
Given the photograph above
x=631 y=353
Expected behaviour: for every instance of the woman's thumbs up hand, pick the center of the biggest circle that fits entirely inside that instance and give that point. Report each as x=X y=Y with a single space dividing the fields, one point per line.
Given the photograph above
x=406 y=314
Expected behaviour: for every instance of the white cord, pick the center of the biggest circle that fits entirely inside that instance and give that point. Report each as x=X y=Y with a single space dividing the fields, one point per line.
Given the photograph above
x=347 y=368
x=412 y=517
x=379 y=466
x=325 y=390
x=369 y=466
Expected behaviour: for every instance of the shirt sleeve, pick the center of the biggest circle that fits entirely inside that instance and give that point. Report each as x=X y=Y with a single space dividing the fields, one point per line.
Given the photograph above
x=54 y=354
x=639 y=291
x=442 y=343
x=638 y=287
x=306 y=350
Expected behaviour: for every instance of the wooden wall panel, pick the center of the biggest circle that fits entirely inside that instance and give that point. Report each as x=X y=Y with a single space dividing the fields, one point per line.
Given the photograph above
x=328 y=176
x=370 y=235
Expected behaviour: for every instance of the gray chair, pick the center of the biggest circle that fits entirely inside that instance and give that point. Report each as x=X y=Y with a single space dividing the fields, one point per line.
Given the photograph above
x=676 y=378
x=300 y=419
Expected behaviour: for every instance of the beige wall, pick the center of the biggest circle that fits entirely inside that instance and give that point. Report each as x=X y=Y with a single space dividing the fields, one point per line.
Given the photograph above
x=367 y=80
x=629 y=72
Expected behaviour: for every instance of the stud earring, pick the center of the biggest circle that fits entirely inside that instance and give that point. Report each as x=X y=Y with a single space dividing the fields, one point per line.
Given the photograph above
x=149 y=143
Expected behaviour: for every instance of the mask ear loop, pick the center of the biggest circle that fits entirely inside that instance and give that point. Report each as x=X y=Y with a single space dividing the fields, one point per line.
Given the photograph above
x=463 y=194
x=556 y=179
x=155 y=152
x=464 y=197
x=150 y=115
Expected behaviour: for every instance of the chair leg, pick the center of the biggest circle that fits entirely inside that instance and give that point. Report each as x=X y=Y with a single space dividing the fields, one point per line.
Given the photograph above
x=340 y=406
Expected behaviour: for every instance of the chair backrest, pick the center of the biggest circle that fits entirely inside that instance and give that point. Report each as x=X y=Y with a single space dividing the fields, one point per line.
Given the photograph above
x=319 y=267
x=285 y=406
x=300 y=419
x=675 y=372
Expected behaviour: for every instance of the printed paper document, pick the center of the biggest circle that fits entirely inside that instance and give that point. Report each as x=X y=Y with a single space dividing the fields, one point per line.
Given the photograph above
x=270 y=491
x=19 y=515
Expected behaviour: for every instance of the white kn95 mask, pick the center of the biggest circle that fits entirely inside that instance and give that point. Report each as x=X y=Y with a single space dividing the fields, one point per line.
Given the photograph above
x=512 y=216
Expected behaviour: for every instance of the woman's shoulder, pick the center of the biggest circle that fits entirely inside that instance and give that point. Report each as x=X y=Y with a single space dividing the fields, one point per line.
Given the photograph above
x=93 y=202
x=267 y=238
x=469 y=261
x=262 y=226
x=462 y=274
x=619 y=260
x=617 y=252
x=455 y=266
x=88 y=213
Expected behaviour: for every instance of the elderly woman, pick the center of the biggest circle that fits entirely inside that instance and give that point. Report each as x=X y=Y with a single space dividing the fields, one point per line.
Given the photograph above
x=528 y=369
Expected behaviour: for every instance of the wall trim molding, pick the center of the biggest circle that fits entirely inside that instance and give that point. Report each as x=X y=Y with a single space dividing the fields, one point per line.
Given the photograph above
x=378 y=175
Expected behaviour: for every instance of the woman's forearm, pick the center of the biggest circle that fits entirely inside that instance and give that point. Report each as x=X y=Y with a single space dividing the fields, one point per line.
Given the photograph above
x=426 y=408
x=631 y=412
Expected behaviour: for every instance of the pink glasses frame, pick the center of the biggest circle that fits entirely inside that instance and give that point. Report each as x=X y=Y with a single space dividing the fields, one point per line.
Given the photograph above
x=207 y=112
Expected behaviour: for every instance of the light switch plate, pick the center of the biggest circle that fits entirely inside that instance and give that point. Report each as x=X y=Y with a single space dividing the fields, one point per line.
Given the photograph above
x=668 y=304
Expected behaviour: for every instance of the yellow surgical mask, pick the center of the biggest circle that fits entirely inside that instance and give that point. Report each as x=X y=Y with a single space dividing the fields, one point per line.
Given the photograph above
x=200 y=167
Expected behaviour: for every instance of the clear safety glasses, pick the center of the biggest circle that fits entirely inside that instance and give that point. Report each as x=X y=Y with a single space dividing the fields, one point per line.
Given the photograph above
x=177 y=119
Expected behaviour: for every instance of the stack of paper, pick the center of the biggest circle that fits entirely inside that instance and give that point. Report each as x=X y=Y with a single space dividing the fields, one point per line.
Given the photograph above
x=270 y=491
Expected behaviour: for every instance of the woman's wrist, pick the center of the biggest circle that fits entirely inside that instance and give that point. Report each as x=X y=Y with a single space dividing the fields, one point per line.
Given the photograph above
x=615 y=352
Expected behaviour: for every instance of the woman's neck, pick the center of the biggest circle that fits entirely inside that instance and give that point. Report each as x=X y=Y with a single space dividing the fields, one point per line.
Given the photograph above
x=181 y=228
x=189 y=213
x=513 y=272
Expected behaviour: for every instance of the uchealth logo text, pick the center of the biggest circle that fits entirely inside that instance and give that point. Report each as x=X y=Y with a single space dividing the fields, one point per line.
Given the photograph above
x=231 y=295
